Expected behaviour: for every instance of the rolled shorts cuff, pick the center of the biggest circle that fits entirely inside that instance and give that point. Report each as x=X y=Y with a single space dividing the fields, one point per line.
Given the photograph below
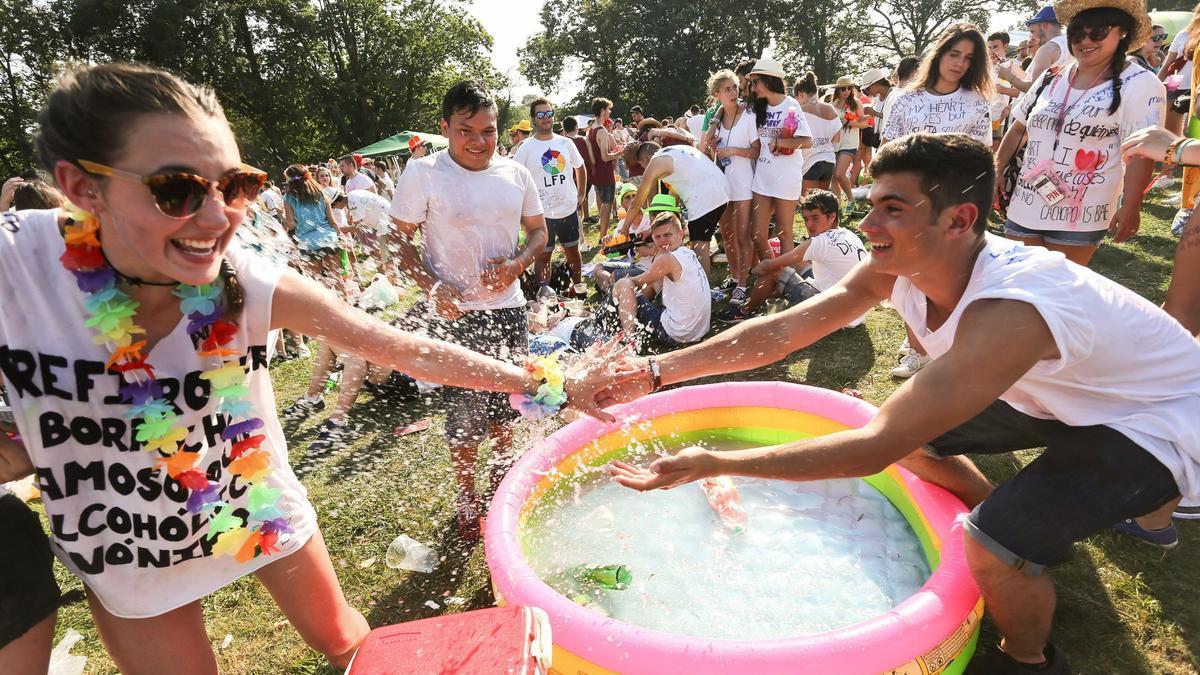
x=1057 y=237
x=1027 y=567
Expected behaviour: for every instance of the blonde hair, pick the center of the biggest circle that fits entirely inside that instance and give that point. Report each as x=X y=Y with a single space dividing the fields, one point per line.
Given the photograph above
x=665 y=216
x=715 y=80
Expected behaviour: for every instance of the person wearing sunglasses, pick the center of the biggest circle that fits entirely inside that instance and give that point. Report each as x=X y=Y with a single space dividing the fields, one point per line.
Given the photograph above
x=1177 y=69
x=560 y=176
x=128 y=325
x=854 y=120
x=1073 y=187
x=1151 y=54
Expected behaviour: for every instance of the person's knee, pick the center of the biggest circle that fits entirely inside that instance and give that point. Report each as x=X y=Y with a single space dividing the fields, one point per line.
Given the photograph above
x=340 y=638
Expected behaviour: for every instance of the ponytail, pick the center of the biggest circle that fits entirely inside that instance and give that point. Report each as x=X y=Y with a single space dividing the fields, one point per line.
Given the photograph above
x=232 y=291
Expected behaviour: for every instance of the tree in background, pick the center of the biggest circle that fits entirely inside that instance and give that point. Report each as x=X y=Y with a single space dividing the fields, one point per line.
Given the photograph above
x=299 y=80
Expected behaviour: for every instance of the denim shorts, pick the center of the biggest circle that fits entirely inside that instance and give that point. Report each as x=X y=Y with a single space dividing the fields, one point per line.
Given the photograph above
x=1087 y=479
x=1057 y=237
x=649 y=315
x=564 y=230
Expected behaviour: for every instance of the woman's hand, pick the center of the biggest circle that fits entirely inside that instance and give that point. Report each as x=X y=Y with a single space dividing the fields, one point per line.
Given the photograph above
x=1127 y=221
x=1151 y=143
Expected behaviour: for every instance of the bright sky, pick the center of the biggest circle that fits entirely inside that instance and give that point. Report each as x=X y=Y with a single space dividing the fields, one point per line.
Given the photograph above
x=510 y=22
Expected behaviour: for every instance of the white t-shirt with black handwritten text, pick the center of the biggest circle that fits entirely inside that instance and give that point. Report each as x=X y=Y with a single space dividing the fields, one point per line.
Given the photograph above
x=118 y=522
x=833 y=253
x=780 y=175
x=962 y=111
x=1088 y=156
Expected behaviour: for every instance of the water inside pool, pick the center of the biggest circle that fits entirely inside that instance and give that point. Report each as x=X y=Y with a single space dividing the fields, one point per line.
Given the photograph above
x=813 y=557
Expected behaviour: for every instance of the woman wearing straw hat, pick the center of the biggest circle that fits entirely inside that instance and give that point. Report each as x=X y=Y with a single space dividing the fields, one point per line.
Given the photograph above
x=1073 y=186
x=779 y=174
x=850 y=112
x=951 y=92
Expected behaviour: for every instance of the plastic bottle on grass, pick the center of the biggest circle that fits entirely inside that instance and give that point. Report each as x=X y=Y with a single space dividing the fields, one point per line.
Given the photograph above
x=723 y=497
x=331 y=382
x=406 y=553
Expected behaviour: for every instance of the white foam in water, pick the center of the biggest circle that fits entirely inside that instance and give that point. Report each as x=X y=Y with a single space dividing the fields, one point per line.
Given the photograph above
x=814 y=556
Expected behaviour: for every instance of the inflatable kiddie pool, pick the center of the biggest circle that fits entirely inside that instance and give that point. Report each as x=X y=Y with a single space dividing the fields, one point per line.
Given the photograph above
x=933 y=631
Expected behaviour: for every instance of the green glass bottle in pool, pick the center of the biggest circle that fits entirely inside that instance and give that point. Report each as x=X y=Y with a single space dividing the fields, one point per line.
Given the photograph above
x=612 y=577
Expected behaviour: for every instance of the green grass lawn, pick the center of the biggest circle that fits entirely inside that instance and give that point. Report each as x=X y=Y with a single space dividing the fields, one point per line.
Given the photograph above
x=1123 y=607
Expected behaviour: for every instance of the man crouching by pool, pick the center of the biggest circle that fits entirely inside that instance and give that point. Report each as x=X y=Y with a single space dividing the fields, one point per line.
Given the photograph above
x=1031 y=351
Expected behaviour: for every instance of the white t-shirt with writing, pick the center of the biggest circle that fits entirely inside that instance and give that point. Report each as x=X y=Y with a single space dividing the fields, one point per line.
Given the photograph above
x=780 y=176
x=467 y=218
x=833 y=253
x=962 y=111
x=117 y=523
x=552 y=164
x=1124 y=363
x=369 y=211
x=1090 y=138
x=823 y=131
x=696 y=179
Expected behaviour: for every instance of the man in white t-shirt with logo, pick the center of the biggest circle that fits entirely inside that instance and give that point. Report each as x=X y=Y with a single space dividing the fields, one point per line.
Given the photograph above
x=831 y=249
x=352 y=178
x=1032 y=351
x=557 y=169
x=469 y=205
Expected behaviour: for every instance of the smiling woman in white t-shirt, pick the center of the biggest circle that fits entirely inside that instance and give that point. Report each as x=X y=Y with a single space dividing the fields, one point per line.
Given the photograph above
x=779 y=174
x=951 y=93
x=128 y=324
x=732 y=138
x=1073 y=186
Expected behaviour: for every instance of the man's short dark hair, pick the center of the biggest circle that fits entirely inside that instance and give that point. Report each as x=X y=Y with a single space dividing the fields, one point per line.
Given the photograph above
x=599 y=105
x=907 y=68
x=646 y=148
x=953 y=169
x=694 y=109
x=1001 y=36
x=469 y=97
x=743 y=69
x=539 y=101
x=348 y=158
x=636 y=109
x=570 y=123
x=822 y=200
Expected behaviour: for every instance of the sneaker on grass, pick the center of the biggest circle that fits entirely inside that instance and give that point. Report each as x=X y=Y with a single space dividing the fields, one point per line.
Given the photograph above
x=305 y=406
x=910 y=364
x=732 y=314
x=332 y=437
x=1167 y=538
x=739 y=296
x=904 y=349
x=996 y=662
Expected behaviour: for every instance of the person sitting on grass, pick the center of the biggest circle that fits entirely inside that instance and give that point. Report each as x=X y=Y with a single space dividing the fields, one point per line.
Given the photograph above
x=681 y=312
x=643 y=249
x=1032 y=352
x=833 y=251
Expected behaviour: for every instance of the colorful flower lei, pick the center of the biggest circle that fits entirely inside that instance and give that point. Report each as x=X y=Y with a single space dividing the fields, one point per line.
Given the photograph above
x=159 y=429
x=550 y=397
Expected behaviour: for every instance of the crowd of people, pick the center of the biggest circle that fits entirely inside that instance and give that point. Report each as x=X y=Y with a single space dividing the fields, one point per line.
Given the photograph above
x=173 y=260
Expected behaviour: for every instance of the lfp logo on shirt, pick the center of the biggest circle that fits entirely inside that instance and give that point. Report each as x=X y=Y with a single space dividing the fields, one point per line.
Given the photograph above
x=553 y=162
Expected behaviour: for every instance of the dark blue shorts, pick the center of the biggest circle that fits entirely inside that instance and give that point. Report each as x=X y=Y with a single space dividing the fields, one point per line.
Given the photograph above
x=1087 y=479
x=649 y=315
x=563 y=230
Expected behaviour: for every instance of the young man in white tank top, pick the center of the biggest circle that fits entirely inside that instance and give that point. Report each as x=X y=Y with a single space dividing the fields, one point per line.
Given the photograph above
x=1032 y=351
x=683 y=310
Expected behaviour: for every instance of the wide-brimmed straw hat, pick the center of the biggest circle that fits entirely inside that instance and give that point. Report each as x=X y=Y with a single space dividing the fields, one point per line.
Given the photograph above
x=1067 y=9
x=871 y=77
x=768 y=66
x=845 y=81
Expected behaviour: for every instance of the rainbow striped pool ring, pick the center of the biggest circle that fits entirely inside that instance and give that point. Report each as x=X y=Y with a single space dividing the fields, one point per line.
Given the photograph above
x=934 y=631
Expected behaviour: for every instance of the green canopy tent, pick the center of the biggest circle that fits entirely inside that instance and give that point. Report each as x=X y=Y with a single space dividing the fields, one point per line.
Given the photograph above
x=398 y=144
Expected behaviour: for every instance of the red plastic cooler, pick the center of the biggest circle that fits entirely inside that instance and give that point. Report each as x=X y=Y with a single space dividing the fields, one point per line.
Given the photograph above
x=509 y=639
